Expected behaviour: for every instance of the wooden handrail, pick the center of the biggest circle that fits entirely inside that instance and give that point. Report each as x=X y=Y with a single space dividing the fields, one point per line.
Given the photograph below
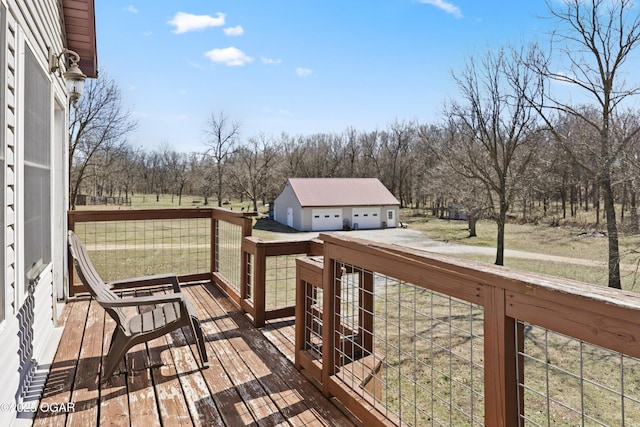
x=602 y=316
x=214 y=214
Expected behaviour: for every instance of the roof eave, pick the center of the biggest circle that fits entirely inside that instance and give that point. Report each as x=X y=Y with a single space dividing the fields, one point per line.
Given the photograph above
x=80 y=32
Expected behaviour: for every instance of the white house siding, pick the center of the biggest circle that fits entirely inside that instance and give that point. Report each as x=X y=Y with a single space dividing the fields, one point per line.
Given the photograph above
x=28 y=332
x=286 y=200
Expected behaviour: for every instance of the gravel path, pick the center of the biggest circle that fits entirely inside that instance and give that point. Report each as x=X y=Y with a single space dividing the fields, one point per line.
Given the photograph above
x=416 y=239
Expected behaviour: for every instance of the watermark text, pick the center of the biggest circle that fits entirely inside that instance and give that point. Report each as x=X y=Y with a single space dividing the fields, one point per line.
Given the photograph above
x=37 y=407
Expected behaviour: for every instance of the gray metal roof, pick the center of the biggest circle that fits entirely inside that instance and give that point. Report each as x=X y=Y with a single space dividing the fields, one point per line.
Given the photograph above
x=317 y=192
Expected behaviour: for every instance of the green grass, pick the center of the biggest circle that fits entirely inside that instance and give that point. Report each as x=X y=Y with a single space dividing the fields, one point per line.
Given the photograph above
x=166 y=201
x=565 y=241
x=425 y=344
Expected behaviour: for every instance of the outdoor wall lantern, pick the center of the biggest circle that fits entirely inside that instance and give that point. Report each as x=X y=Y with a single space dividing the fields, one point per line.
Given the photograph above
x=74 y=77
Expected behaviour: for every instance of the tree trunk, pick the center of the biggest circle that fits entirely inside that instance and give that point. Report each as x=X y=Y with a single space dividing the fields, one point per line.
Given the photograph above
x=596 y=203
x=612 y=232
x=502 y=219
x=500 y=245
x=472 y=225
x=634 y=212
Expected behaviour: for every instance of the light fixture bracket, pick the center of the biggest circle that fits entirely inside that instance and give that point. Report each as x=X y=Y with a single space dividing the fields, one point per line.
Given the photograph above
x=74 y=77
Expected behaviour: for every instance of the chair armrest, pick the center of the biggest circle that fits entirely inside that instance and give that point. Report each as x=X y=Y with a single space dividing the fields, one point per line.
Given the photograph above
x=145 y=281
x=144 y=300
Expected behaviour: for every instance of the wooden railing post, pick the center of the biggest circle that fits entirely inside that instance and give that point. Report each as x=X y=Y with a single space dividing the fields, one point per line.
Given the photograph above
x=365 y=312
x=259 y=284
x=302 y=314
x=71 y=224
x=328 y=321
x=502 y=406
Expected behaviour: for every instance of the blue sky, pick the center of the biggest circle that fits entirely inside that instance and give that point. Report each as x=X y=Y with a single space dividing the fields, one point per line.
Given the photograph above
x=295 y=66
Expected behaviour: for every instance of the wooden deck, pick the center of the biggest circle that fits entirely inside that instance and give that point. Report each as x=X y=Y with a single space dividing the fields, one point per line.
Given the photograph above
x=251 y=380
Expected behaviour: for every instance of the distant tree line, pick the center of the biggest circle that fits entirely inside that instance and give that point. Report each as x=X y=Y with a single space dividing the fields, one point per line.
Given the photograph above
x=513 y=144
x=416 y=162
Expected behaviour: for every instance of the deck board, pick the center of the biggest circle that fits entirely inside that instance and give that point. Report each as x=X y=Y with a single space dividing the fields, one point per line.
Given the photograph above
x=249 y=381
x=58 y=387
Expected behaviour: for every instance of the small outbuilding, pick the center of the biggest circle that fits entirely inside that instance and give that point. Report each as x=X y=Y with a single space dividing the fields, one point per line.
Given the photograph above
x=325 y=204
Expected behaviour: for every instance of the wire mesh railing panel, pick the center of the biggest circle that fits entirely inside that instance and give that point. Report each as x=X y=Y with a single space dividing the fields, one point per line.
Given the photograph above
x=570 y=382
x=228 y=252
x=415 y=355
x=280 y=281
x=249 y=278
x=313 y=320
x=122 y=249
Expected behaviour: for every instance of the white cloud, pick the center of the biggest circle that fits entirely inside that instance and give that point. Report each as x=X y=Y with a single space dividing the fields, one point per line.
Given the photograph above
x=131 y=8
x=450 y=8
x=185 y=22
x=270 y=61
x=230 y=56
x=303 y=72
x=234 y=31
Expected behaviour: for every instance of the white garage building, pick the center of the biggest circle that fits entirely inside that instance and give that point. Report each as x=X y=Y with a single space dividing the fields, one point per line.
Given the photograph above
x=324 y=204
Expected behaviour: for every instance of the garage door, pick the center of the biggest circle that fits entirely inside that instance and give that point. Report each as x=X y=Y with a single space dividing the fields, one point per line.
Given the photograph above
x=326 y=219
x=365 y=218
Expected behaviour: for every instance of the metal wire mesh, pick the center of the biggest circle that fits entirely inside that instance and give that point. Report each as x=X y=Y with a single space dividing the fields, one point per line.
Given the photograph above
x=228 y=252
x=570 y=382
x=280 y=281
x=121 y=249
x=414 y=354
x=249 y=279
x=313 y=320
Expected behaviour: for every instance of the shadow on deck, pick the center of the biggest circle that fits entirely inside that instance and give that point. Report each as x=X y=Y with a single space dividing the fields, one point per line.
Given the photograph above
x=251 y=380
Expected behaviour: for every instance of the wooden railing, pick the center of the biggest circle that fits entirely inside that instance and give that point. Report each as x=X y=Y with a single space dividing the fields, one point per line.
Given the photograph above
x=269 y=288
x=403 y=337
x=400 y=336
x=196 y=244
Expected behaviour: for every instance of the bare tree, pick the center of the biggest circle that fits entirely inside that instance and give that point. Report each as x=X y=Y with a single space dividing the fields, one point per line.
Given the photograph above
x=490 y=129
x=177 y=167
x=222 y=136
x=98 y=122
x=200 y=167
x=253 y=167
x=592 y=42
x=293 y=156
x=130 y=172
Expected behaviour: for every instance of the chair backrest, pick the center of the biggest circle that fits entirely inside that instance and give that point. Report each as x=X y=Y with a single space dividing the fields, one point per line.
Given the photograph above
x=92 y=280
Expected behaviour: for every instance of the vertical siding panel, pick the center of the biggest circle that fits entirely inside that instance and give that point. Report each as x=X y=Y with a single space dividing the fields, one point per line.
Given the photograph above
x=28 y=334
x=9 y=378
